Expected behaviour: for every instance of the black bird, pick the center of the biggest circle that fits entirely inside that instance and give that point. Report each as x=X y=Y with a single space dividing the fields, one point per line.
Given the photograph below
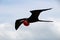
x=33 y=18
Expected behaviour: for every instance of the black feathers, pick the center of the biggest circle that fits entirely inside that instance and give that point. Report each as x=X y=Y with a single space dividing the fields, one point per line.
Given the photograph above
x=32 y=18
x=18 y=23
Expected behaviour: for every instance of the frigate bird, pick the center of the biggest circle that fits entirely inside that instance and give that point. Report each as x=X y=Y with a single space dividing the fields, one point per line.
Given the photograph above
x=33 y=18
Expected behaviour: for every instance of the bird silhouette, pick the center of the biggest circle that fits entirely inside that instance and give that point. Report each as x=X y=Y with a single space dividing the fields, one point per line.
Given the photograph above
x=33 y=18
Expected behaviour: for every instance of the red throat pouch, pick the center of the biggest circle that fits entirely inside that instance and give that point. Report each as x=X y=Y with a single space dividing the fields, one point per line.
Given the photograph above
x=26 y=23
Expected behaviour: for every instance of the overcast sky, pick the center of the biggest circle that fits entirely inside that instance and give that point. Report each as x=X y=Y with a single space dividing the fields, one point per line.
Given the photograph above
x=11 y=10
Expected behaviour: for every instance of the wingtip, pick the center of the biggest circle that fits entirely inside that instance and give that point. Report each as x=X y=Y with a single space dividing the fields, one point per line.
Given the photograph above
x=15 y=28
x=50 y=21
x=50 y=8
x=46 y=9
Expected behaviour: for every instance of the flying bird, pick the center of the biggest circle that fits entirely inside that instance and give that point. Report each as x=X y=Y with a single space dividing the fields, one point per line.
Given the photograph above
x=33 y=18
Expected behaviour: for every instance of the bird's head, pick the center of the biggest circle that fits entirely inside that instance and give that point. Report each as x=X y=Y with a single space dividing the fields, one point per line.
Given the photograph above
x=26 y=23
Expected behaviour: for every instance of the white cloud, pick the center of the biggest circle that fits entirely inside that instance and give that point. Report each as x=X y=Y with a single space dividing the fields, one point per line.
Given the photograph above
x=36 y=31
x=56 y=27
x=8 y=32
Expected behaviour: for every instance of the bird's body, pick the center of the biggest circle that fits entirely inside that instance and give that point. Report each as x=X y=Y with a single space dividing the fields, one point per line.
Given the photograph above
x=33 y=18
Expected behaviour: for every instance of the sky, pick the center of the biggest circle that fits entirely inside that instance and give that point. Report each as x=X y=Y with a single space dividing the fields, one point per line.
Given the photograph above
x=11 y=10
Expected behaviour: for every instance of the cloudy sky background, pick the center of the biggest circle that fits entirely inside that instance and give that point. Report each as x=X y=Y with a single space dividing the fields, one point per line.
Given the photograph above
x=10 y=10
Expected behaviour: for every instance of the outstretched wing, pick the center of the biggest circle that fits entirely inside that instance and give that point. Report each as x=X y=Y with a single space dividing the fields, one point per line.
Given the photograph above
x=18 y=23
x=45 y=21
x=35 y=13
